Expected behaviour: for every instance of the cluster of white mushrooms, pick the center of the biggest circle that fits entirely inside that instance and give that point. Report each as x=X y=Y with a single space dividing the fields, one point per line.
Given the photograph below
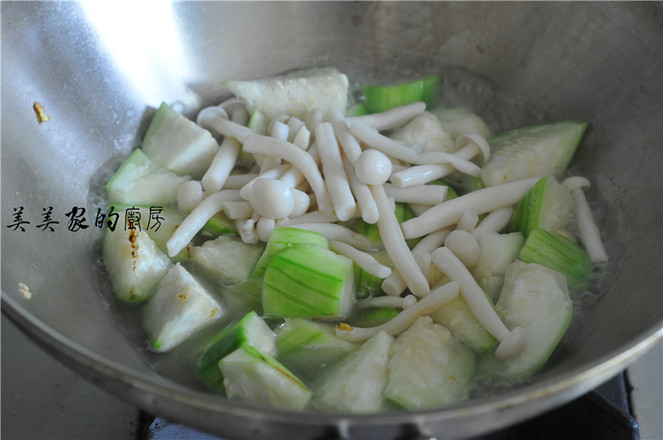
x=316 y=174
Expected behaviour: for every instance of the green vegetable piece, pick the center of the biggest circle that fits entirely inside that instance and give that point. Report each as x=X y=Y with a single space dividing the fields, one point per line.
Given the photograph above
x=250 y=330
x=537 y=299
x=366 y=284
x=375 y=316
x=560 y=254
x=254 y=376
x=178 y=144
x=285 y=238
x=141 y=181
x=134 y=263
x=458 y=318
x=356 y=383
x=428 y=367
x=379 y=98
x=220 y=224
x=258 y=122
x=537 y=151
x=307 y=346
x=357 y=110
x=227 y=259
x=180 y=307
x=308 y=281
x=547 y=205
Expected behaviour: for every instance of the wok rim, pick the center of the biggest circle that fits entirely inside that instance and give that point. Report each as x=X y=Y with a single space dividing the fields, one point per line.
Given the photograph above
x=148 y=394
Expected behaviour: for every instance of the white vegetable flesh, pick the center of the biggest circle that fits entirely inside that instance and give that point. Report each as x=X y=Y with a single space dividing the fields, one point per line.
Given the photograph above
x=180 y=307
x=428 y=367
x=537 y=300
x=257 y=377
x=426 y=132
x=356 y=383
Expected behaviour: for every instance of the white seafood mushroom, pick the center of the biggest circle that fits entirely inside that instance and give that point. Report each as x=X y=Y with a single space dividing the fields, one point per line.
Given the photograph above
x=401 y=322
x=271 y=198
x=373 y=167
x=302 y=202
x=189 y=195
x=590 y=235
x=464 y=246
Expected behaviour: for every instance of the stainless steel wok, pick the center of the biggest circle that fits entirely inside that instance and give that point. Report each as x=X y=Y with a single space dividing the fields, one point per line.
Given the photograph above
x=96 y=67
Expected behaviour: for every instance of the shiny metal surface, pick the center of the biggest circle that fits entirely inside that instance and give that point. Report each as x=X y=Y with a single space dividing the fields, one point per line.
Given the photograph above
x=98 y=66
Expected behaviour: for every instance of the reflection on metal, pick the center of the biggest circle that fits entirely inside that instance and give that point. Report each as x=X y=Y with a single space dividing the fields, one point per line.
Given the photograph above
x=144 y=42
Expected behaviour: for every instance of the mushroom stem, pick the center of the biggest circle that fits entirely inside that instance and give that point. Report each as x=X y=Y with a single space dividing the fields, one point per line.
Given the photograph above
x=590 y=235
x=224 y=161
x=363 y=260
x=481 y=201
x=495 y=221
x=391 y=118
x=195 y=221
x=395 y=245
x=398 y=324
x=390 y=147
x=421 y=174
x=332 y=167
